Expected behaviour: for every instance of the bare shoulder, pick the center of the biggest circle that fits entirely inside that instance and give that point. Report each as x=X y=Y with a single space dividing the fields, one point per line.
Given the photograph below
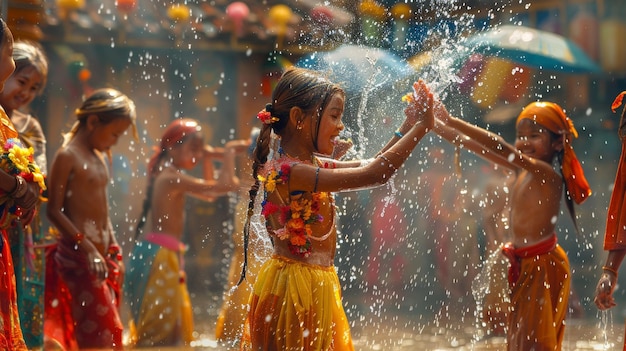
x=64 y=156
x=171 y=180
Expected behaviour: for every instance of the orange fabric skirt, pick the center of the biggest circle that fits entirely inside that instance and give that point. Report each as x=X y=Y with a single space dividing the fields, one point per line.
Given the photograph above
x=296 y=306
x=539 y=300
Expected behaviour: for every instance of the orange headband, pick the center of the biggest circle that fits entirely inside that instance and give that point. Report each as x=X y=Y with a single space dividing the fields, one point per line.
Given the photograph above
x=618 y=101
x=551 y=116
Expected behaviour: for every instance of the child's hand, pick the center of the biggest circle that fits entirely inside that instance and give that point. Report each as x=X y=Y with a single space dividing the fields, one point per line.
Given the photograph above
x=604 y=292
x=96 y=264
x=441 y=113
x=29 y=200
x=420 y=101
x=238 y=145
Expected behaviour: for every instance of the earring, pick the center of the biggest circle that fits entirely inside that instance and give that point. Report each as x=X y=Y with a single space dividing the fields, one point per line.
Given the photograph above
x=299 y=125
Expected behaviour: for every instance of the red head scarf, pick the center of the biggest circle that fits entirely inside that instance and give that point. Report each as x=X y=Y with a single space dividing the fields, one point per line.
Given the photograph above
x=622 y=123
x=551 y=116
x=173 y=135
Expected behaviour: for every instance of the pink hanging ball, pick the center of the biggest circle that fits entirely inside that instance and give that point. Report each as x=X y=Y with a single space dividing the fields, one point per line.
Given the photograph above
x=237 y=11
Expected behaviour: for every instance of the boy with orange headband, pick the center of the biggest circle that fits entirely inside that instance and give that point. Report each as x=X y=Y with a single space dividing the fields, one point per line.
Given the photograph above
x=539 y=271
x=615 y=232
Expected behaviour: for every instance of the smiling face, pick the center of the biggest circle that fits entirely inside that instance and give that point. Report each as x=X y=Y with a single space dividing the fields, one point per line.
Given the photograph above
x=21 y=88
x=331 y=124
x=536 y=141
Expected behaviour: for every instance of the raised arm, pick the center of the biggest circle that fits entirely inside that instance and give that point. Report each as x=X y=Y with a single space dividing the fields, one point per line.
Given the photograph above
x=419 y=121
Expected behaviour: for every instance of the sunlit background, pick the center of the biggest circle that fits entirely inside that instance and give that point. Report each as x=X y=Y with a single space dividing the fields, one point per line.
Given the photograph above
x=216 y=61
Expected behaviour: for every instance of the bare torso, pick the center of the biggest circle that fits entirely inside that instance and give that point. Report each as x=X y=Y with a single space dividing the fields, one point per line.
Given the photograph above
x=535 y=205
x=86 y=198
x=167 y=213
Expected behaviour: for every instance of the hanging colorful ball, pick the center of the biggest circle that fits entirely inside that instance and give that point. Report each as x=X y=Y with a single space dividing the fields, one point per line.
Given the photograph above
x=280 y=15
x=322 y=14
x=71 y=4
x=372 y=8
x=178 y=12
x=126 y=6
x=401 y=11
x=238 y=11
x=84 y=75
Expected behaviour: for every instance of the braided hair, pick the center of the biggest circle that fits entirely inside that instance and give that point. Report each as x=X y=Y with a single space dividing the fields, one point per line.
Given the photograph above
x=175 y=134
x=297 y=87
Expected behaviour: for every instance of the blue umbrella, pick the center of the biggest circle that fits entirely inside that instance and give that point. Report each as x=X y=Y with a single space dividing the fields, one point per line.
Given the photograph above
x=359 y=68
x=533 y=48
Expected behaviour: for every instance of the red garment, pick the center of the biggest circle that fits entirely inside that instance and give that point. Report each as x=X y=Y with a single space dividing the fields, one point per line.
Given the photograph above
x=80 y=311
x=515 y=255
x=10 y=332
x=615 y=232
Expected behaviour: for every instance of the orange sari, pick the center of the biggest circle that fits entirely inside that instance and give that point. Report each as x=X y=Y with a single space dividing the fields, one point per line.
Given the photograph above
x=11 y=337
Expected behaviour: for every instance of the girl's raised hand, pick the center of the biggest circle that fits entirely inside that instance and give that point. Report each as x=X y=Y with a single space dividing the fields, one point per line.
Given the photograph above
x=441 y=113
x=420 y=103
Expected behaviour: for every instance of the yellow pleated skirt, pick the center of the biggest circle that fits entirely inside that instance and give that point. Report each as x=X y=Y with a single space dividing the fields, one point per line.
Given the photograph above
x=296 y=306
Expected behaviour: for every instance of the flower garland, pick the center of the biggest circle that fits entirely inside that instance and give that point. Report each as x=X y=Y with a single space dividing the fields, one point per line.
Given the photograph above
x=295 y=218
x=17 y=160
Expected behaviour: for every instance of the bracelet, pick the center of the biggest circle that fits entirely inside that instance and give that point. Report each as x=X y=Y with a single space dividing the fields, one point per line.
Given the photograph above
x=20 y=188
x=115 y=251
x=398 y=133
x=385 y=159
x=389 y=163
x=317 y=178
x=612 y=270
x=78 y=238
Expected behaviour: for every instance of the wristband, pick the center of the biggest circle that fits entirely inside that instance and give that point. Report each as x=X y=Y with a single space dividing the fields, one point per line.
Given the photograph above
x=398 y=133
x=612 y=270
x=115 y=251
x=78 y=238
x=20 y=188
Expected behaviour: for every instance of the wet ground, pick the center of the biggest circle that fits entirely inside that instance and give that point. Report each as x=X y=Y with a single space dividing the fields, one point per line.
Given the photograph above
x=406 y=332
x=580 y=335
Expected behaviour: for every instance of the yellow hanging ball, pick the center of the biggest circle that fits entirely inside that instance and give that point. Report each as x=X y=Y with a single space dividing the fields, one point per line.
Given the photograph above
x=71 y=4
x=372 y=8
x=178 y=12
x=401 y=11
x=280 y=14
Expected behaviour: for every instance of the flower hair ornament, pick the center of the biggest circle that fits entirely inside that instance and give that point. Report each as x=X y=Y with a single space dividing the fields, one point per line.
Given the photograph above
x=265 y=115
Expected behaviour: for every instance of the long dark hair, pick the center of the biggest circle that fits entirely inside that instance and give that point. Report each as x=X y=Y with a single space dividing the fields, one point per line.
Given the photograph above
x=176 y=133
x=297 y=87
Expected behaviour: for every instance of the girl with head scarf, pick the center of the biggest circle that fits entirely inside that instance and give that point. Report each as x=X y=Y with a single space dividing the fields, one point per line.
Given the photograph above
x=539 y=271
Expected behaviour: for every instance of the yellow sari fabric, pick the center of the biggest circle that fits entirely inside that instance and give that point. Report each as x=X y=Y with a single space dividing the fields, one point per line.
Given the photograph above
x=296 y=306
x=165 y=316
